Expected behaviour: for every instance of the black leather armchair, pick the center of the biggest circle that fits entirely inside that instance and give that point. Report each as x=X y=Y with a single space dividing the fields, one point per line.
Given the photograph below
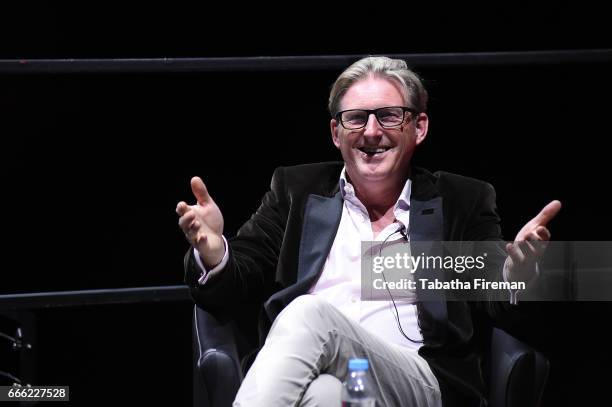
x=518 y=373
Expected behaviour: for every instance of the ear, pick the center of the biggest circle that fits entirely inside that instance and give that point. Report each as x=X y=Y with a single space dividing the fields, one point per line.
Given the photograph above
x=333 y=125
x=422 y=125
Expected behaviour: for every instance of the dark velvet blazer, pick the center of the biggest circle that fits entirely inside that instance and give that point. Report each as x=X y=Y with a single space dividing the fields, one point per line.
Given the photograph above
x=279 y=254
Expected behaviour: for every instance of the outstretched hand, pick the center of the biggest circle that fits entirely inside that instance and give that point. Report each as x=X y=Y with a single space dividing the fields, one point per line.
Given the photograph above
x=530 y=244
x=202 y=224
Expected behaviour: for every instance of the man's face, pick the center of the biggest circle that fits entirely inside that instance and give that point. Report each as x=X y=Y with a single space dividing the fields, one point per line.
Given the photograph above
x=374 y=153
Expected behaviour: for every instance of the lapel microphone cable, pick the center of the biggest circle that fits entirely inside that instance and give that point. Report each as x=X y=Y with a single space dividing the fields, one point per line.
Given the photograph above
x=404 y=233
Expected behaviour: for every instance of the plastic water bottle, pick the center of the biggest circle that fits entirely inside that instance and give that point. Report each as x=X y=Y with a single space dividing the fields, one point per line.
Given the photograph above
x=357 y=390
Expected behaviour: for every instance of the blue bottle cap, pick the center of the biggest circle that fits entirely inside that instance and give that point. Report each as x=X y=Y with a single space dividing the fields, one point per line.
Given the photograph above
x=358 y=364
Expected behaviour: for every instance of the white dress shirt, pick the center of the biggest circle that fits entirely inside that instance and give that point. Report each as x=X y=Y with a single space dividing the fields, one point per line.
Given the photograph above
x=340 y=281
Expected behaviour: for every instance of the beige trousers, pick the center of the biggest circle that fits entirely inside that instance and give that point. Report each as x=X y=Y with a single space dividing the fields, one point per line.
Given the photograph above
x=305 y=359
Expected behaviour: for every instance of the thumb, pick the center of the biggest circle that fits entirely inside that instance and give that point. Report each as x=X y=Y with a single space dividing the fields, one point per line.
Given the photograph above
x=199 y=190
x=547 y=213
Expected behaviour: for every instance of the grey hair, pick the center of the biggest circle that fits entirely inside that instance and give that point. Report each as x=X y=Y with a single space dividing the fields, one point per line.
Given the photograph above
x=414 y=91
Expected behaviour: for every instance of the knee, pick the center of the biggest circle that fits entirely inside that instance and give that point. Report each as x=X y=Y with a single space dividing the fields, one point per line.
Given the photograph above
x=325 y=390
x=306 y=301
x=305 y=306
x=306 y=314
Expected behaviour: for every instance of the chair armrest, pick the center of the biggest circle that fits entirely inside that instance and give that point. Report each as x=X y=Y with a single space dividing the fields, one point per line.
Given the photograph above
x=217 y=364
x=518 y=373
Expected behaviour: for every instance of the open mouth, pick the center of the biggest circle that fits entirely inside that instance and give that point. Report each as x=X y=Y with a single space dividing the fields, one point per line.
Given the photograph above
x=374 y=151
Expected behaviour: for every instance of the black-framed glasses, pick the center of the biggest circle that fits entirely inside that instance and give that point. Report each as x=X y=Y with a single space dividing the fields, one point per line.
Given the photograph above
x=388 y=117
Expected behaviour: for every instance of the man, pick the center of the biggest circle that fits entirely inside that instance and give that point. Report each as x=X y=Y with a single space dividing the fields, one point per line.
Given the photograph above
x=299 y=257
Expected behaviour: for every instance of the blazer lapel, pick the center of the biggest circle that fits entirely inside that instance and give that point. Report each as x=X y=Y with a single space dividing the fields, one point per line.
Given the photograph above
x=321 y=220
x=427 y=225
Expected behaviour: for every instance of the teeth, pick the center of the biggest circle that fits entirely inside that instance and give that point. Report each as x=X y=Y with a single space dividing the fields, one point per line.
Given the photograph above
x=373 y=150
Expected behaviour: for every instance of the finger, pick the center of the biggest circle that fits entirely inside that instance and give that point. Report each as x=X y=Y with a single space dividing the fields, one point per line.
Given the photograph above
x=530 y=249
x=182 y=208
x=535 y=235
x=539 y=239
x=542 y=233
x=199 y=190
x=547 y=213
x=515 y=253
x=186 y=220
x=524 y=250
x=194 y=226
x=200 y=238
x=533 y=248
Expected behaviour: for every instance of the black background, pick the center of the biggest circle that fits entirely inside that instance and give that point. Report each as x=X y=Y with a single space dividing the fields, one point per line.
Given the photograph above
x=94 y=164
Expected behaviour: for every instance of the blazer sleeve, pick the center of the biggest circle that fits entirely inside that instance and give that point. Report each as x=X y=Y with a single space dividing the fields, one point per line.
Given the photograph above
x=485 y=225
x=249 y=275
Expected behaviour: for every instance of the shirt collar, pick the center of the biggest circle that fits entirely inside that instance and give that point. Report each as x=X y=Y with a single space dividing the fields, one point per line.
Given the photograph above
x=402 y=206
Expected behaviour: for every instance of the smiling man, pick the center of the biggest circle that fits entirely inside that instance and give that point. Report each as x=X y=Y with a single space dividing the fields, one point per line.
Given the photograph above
x=377 y=134
x=298 y=258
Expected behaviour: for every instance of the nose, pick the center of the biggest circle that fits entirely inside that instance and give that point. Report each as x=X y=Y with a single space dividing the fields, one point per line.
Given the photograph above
x=373 y=128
